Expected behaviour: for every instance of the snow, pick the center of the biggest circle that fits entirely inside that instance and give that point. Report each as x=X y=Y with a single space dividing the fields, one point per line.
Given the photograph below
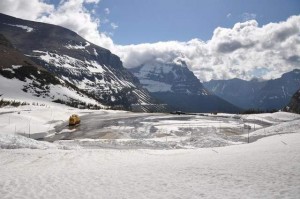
x=17 y=141
x=263 y=169
x=32 y=120
x=157 y=69
x=69 y=46
x=94 y=67
x=27 y=28
x=9 y=69
x=11 y=89
x=156 y=86
x=272 y=118
x=16 y=66
x=95 y=52
x=154 y=69
x=89 y=168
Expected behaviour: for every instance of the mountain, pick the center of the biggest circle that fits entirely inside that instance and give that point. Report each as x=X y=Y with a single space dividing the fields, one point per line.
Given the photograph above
x=270 y=94
x=70 y=57
x=22 y=79
x=236 y=91
x=174 y=84
x=294 y=105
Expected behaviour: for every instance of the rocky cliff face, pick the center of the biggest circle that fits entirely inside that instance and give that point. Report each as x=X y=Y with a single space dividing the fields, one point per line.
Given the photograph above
x=271 y=94
x=83 y=64
x=174 y=84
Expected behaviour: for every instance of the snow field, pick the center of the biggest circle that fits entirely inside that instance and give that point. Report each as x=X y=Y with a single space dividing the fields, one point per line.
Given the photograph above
x=264 y=169
x=35 y=121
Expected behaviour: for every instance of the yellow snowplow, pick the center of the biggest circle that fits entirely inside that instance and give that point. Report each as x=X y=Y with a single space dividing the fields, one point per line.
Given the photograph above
x=74 y=120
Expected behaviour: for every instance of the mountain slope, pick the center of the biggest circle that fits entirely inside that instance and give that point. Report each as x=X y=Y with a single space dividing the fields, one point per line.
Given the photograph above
x=22 y=79
x=174 y=84
x=277 y=92
x=294 y=105
x=271 y=94
x=236 y=91
x=72 y=58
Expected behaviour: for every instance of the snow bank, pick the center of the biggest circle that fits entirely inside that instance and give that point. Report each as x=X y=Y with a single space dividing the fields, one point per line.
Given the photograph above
x=17 y=141
x=35 y=121
x=282 y=128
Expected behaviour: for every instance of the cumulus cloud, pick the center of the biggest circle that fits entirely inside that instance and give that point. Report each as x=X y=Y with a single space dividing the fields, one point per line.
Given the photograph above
x=245 y=51
x=71 y=14
x=24 y=9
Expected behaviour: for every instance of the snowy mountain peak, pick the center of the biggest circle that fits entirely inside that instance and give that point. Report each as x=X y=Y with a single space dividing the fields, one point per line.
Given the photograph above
x=177 y=86
x=169 y=77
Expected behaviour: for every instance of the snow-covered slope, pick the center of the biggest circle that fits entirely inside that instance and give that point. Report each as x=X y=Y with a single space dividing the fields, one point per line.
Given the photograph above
x=169 y=77
x=70 y=57
x=23 y=80
x=174 y=84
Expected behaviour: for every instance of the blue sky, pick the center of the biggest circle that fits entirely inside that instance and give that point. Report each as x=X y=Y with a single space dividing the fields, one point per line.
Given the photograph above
x=141 y=21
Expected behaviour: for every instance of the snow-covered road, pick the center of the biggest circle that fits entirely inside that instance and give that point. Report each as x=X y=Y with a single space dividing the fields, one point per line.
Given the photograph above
x=268 y=168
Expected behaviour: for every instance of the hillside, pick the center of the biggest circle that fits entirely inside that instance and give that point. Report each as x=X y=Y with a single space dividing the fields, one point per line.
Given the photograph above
x=294 y=104
x=70 y=57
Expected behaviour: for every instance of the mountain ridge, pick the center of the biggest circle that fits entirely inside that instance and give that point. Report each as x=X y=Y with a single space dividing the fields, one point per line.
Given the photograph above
x=69 y=56
x=268 y=94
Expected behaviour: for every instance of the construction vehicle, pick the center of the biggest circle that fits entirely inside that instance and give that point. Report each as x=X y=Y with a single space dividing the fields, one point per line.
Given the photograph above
x=74 y=120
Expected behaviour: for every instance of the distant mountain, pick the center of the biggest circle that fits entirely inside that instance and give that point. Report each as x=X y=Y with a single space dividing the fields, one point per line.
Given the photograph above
x=174 y=84
x=294 y=105
x=22 y=79
x=271 y=94
x=236 y=91
x=70 y=57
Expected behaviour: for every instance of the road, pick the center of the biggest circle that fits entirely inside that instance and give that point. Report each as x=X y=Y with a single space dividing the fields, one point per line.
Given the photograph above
x=127 y=125
x=100 y=125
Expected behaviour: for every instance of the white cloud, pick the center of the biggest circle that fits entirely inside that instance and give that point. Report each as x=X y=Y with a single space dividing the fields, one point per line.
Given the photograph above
x=71 y=14
x=105 y=21
x=248 y=16
x=25 y=10
x=243 y=51
x=107 y=11
x=228 y=15
x=114 y=26
x=92 y=1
